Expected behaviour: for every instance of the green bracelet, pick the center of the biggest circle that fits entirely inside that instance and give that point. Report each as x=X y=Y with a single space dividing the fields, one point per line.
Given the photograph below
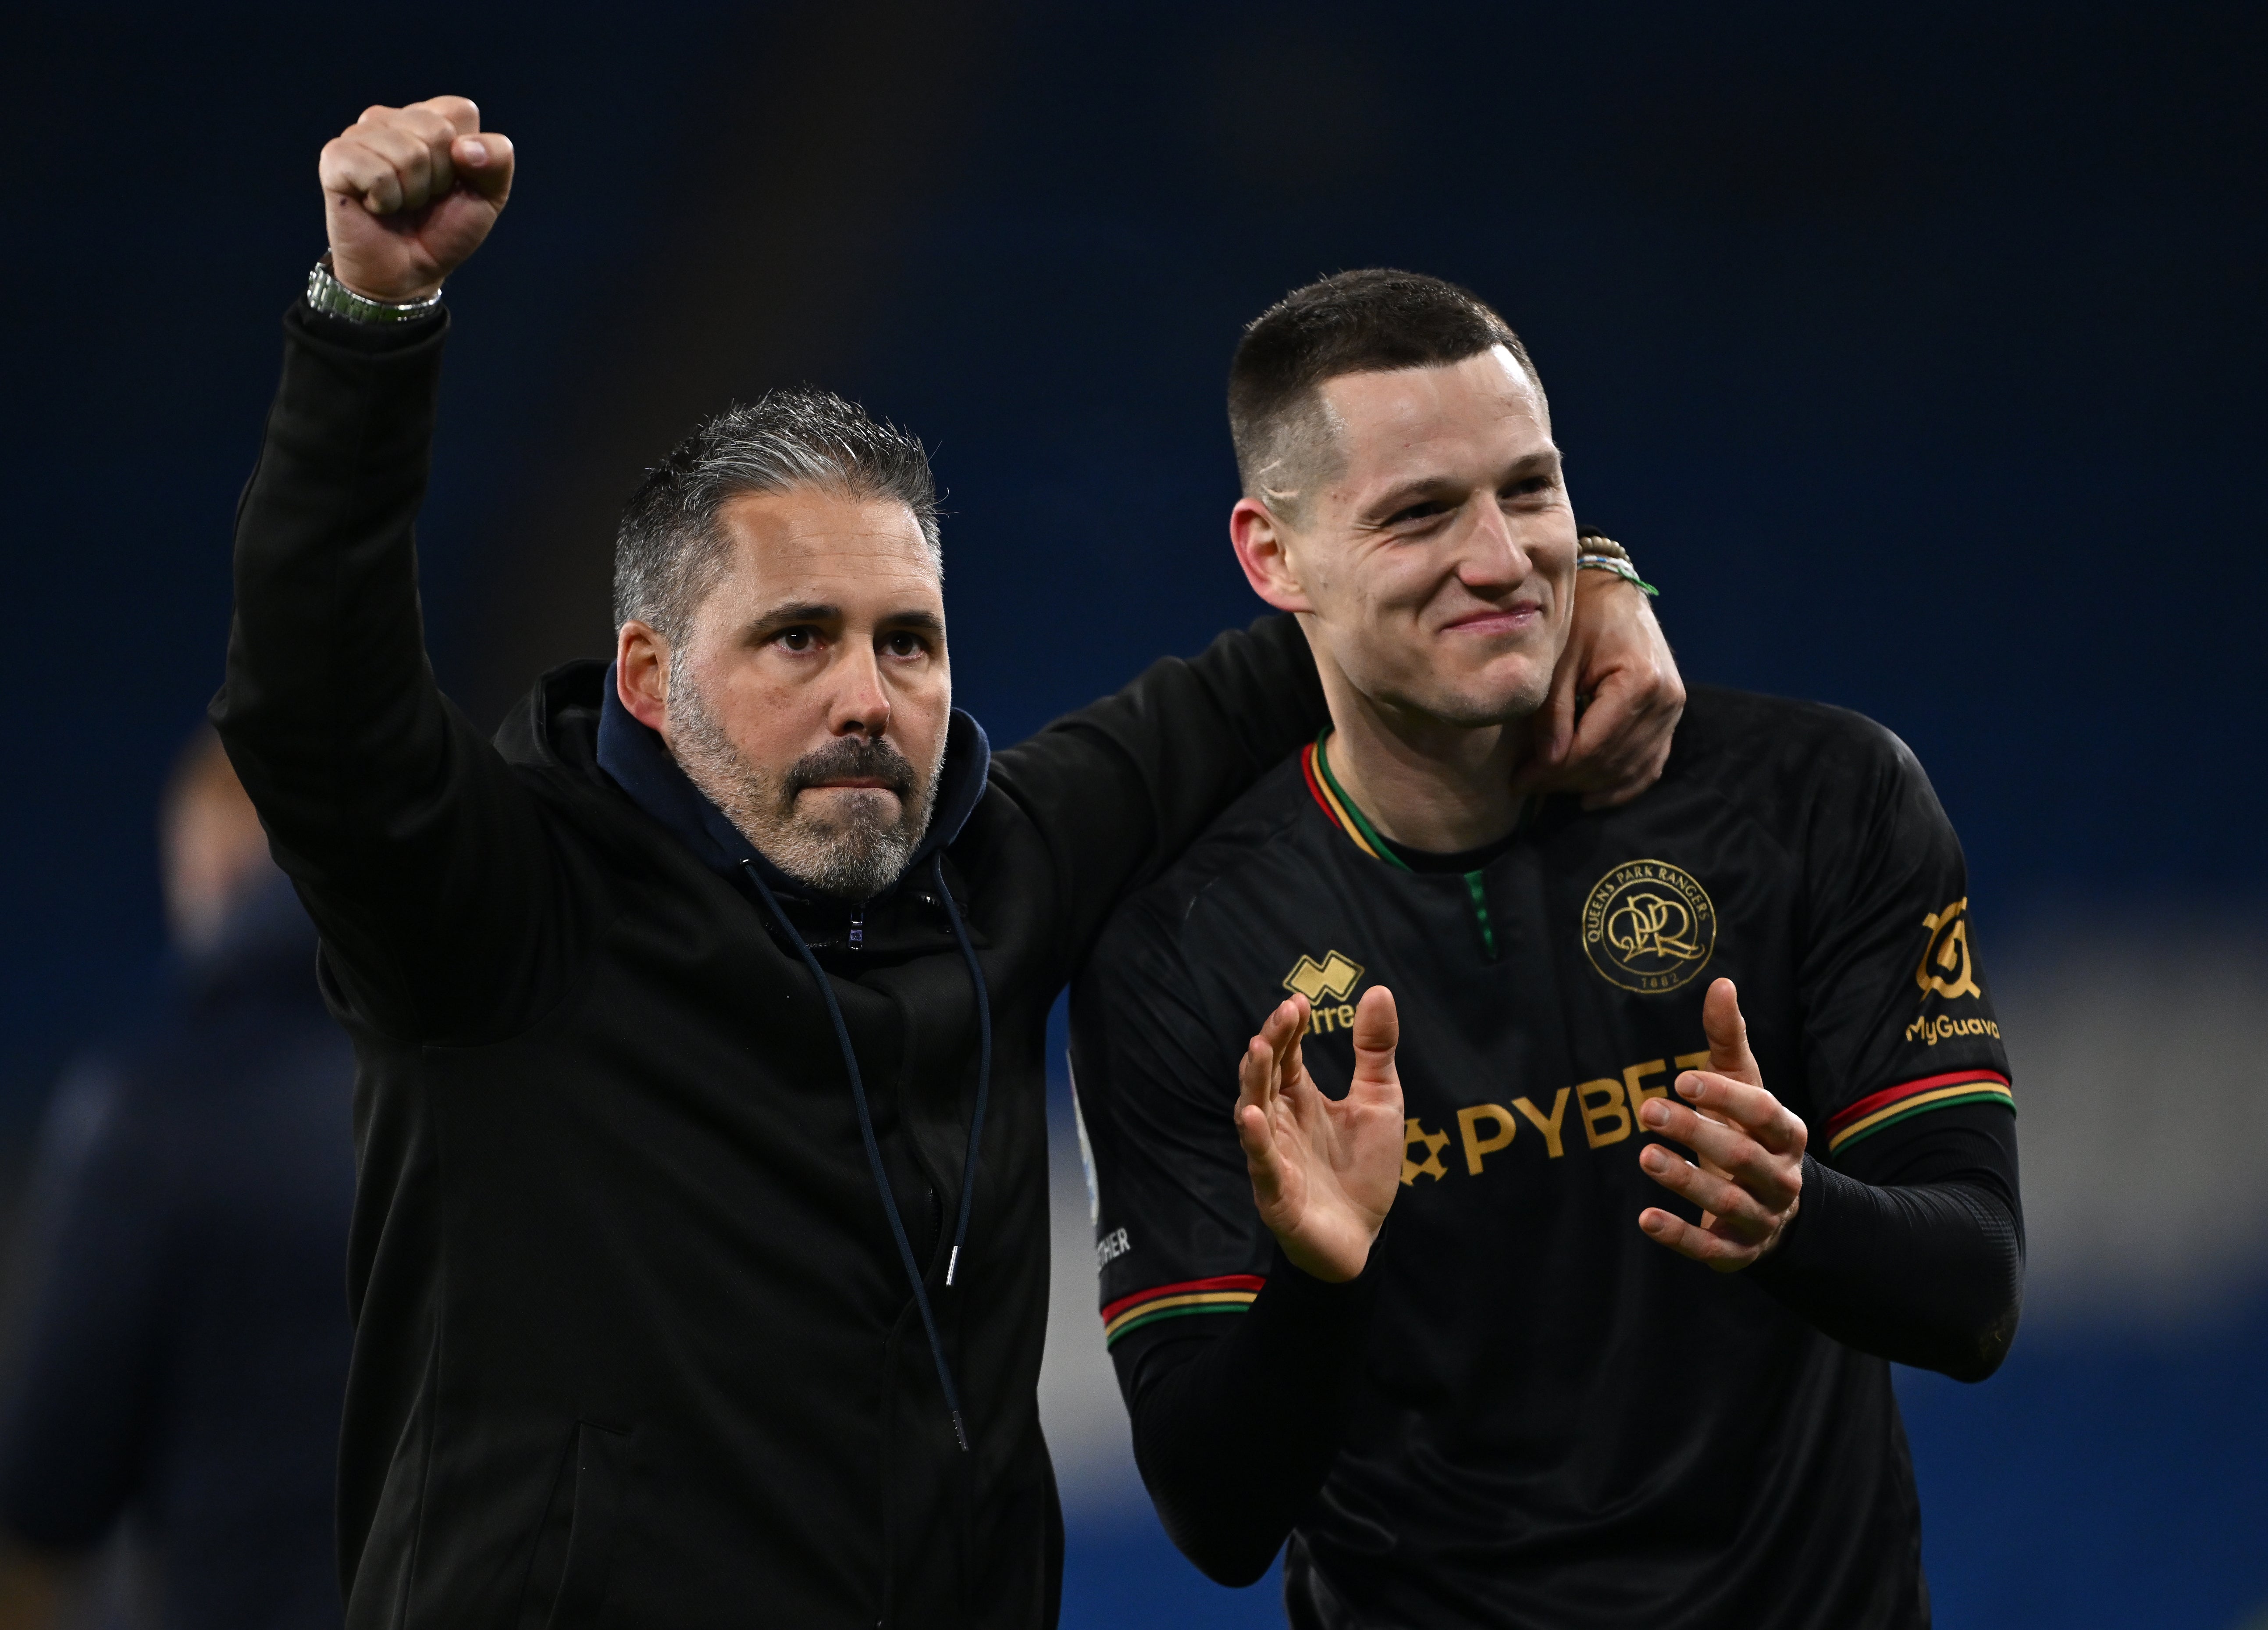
x=1622 y=569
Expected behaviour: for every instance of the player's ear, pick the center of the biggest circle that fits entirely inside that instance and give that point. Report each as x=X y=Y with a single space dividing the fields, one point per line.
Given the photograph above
x=642 y=673
x=1259 y=537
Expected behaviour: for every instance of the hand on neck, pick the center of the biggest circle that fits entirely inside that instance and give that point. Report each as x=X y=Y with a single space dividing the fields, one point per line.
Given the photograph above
x=1422 y=782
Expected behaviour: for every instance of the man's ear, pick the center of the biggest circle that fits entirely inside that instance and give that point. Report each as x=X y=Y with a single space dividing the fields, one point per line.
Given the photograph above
x=1259 y=539
x=642 y=673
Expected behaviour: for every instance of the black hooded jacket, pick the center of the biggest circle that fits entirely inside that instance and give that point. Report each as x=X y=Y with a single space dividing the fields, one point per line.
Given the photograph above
x=634 y=1343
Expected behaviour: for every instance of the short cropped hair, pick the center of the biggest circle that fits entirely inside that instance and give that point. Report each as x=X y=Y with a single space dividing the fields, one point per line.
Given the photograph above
x=670 y=552
x=1369 y=322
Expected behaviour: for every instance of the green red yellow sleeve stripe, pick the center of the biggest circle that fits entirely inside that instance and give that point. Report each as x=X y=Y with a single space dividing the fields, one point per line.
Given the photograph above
x=1894 y=1104
x=1231 y=1292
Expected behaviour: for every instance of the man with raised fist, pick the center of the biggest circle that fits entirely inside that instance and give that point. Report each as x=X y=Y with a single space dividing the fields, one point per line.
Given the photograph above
x=700 y=1257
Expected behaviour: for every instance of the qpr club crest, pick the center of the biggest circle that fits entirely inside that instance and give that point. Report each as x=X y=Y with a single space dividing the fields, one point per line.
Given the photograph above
x=1649 y=926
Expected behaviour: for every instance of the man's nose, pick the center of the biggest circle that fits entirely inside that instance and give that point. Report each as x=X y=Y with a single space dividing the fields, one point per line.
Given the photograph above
x=861 y=704
x=1494 y=555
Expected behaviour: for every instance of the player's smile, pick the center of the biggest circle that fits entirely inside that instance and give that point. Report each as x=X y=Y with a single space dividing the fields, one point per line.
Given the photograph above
x=1512 y=622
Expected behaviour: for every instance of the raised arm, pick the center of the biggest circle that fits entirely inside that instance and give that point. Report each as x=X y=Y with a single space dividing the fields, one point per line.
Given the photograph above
x=416 y=848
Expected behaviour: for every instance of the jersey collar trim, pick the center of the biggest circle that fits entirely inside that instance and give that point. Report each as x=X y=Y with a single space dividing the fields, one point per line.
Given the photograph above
x=1315 y=765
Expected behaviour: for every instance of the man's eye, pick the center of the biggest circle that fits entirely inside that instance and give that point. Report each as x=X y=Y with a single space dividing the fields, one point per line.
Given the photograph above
x=795 y=638
x=1528 y=487
x=1425 y=511
x=904 y=645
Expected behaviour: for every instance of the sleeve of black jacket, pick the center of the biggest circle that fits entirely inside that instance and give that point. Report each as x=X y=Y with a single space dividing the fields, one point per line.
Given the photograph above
x=1123 y=785
x=417 y=850
x=1914 y=1250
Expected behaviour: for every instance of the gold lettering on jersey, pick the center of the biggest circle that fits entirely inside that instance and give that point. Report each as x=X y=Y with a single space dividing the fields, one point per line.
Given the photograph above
x=1469 y=1120
x=1649 y=926
x=1607 y=1110
x=1333 y=978
x=1414 y=1135
x=1946 y=967
x=1602 y=1107
x=1929 y=1030
x=1550 y=1128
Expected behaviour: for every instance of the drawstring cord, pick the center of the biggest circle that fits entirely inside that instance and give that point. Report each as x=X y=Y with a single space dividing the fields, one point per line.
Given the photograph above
x=874 y=1145
x=984 y=1063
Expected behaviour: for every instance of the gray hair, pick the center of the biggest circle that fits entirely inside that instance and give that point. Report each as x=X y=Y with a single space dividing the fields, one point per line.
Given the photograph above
x=669 y=551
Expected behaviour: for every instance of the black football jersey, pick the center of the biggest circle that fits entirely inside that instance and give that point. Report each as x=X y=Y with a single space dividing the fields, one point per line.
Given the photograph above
x=1560 y=1422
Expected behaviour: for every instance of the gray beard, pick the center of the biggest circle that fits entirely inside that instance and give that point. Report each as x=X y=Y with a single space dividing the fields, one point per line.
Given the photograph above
x=853 y=851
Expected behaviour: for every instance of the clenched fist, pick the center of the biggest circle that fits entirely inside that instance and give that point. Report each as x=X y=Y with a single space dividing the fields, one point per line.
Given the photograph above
x=408 y=194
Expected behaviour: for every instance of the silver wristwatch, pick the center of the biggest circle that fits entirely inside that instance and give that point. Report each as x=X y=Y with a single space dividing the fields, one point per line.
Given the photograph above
x=326 y=294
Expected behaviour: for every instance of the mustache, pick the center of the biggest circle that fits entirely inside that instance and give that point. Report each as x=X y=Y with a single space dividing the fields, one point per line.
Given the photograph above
x=853 y=755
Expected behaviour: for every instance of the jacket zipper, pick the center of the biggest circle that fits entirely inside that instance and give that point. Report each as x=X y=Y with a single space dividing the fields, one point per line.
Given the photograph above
x=858 y=927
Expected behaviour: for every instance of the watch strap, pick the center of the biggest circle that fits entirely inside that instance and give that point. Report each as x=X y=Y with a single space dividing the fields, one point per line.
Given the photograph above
x=327 y=295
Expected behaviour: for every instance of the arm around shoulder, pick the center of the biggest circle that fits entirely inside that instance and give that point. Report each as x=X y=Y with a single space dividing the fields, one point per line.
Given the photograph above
x=1124 y=784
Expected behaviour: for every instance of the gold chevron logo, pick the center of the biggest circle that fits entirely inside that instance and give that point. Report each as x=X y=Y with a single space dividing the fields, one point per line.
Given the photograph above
x=1333 y=978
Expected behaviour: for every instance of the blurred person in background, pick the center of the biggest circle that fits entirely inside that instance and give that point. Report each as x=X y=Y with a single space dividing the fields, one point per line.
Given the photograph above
x=178 y=1366
x=701 y=1256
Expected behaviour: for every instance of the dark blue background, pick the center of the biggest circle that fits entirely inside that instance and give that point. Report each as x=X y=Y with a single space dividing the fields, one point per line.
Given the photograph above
x=1917 y=355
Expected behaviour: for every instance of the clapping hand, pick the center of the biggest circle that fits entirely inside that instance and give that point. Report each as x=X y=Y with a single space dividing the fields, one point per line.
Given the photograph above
x=1750 y=1177
x=1324 y=1172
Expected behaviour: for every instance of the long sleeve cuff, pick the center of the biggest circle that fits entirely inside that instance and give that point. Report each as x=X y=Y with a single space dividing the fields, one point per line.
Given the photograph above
x=1929 y=1274
x=1237 y=1418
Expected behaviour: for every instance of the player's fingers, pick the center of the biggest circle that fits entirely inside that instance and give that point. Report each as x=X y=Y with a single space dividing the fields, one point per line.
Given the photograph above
x=1377 y=1032
x=1624 y=737
x=1700 y=1245
x=1259 y=1146
x=1278 y=1032
x=461 y=112
x=408 y=157
x=484 y=163
x=1595 y=753
x=1727 y=1154
x=1290 y=1021
x=1553 y=733
x=1734 y=1205
x=1255 y=1076
x=1727 y=1031
x=351 y=168
x=1750 y=1108
x=439 y=139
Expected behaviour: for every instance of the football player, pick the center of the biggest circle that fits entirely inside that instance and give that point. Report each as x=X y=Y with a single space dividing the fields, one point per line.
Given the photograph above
x=1699 y=1118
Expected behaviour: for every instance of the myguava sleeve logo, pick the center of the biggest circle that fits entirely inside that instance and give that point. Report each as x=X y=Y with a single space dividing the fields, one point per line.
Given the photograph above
x=1649 y=926
x=1328 y=980
x=1946 y=967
